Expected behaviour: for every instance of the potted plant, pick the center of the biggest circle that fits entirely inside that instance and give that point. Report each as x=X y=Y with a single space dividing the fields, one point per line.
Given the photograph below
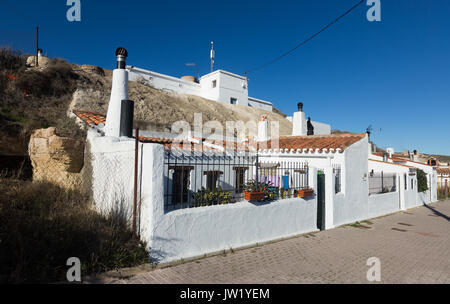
x=305 y=192
x=254 y=191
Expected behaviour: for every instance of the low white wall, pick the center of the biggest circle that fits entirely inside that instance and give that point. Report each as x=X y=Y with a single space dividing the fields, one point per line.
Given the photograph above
x=193 y=232
x=423 y=198
x=411 y=200
x=381 y=204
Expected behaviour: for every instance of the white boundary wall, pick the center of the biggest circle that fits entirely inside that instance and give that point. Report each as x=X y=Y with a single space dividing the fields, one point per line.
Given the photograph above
x=186 y=233
x=193 y=232
x=381 y=204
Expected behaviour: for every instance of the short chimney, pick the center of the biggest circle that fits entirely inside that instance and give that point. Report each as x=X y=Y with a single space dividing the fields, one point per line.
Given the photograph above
x=299 y=126
x=263 y=129
x=390 y=151
x=119 y=92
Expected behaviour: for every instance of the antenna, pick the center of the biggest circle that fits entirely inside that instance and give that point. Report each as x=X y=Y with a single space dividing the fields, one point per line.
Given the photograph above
x=212 y=55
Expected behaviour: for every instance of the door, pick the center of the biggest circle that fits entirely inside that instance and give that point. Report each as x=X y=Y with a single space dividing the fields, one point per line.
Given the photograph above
x=320 y=200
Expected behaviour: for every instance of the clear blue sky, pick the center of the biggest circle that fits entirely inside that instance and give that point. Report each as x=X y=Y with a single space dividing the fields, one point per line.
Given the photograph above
x=393 y=74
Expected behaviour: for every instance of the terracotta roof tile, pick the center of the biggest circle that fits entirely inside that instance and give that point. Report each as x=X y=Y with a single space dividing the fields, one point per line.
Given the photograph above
x=443 y=170
x=314 y=142
x=90 y=117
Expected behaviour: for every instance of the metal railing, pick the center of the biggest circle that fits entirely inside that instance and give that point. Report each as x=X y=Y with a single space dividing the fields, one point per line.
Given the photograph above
x=381 y=182
x=198 y=179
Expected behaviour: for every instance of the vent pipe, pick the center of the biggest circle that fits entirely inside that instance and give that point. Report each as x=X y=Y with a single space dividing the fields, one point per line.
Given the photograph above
x=121 y=54
x=126 y=118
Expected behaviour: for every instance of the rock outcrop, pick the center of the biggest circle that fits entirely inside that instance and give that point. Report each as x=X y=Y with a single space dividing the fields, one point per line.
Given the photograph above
x=93 y=69
x=43 y=61
x=56 y=159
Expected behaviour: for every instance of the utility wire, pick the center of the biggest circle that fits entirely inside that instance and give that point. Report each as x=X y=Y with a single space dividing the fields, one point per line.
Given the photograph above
x=307 y=40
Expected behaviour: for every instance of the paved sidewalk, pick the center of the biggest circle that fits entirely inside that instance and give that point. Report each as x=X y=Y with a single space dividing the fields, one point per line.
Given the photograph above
x=413 y=246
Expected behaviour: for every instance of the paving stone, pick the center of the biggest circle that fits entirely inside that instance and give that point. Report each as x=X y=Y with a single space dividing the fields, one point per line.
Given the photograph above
x=418 y=255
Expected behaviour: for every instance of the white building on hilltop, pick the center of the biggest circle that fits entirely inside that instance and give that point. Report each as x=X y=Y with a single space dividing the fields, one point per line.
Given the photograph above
x=220 y=86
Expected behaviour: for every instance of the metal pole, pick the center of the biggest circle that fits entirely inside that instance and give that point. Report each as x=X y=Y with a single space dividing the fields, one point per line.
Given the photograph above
x=136 y=155
x=37 y=47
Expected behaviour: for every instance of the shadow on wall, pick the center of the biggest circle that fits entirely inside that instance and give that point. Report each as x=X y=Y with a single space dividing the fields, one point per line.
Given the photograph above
x=437 y=212
x=158 y=255
x=121 y=212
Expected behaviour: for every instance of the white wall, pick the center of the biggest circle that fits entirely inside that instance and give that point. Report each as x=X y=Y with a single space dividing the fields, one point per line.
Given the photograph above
x=260 y=104
x=112 y=162
x=164 y=82
x=232 y=86
x=194 y=232
x=321 y=128
x=381 y=204
x=352 y=204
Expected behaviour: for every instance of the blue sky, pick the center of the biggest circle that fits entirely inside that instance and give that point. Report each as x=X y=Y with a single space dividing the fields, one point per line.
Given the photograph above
x=393 y=74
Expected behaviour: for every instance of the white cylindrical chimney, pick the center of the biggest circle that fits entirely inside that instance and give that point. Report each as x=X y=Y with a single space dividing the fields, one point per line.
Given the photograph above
x=119 y=92
x=390 y=151
x=299 y=126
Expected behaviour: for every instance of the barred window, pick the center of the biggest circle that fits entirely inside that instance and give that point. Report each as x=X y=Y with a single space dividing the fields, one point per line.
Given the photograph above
x=211 y=179
x=181 y=183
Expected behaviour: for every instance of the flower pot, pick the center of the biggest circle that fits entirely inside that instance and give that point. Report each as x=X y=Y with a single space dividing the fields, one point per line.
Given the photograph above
x=254 y=196
x=305 y=193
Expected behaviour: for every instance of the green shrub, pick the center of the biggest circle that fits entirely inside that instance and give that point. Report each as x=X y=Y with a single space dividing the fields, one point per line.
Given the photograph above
x=206 y=197
x=422 y=182
x=42 y=225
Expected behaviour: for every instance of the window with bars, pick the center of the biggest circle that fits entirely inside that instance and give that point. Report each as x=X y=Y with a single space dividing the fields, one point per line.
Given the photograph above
x=180 y=184
x=212 y=178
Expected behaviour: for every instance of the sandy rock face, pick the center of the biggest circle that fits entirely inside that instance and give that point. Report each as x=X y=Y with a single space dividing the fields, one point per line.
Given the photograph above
x=55 y=159
x=93 y=69
x=43 y=61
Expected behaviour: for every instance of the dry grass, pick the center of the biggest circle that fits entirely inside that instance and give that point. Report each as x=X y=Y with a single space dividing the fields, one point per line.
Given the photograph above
x=41 y=226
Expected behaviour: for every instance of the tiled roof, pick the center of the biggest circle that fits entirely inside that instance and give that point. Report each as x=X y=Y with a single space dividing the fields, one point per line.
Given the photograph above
x=322 y=143
x=90 y=117
x=94 y=118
